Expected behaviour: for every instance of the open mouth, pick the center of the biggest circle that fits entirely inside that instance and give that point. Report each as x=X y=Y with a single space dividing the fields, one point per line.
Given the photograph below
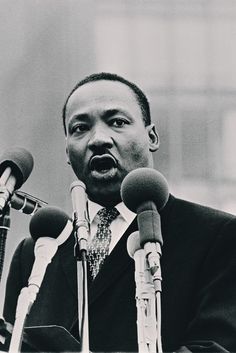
x=102 y=163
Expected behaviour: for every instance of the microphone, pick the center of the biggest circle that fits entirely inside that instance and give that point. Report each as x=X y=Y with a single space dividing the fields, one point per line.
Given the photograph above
x=49 y=227
x=81 y=229
x=80 y=209
x=26 y=203
x=145 y=191
x=16 y=165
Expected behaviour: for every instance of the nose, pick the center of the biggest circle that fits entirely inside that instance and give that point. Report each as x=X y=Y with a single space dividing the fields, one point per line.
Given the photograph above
x=100 y=137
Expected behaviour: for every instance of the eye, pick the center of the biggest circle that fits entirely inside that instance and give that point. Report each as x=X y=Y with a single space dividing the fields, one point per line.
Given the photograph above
x=79 y=127
x=118 y=122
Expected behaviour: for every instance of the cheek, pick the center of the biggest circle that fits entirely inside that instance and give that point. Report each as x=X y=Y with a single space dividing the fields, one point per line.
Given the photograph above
x=137 y=151
x=75 y=155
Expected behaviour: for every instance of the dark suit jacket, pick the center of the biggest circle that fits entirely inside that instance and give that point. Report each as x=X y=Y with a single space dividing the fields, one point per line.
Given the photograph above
x=199 y=285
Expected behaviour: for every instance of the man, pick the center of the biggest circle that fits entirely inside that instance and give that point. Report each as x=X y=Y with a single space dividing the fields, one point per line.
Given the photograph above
x=108 y=134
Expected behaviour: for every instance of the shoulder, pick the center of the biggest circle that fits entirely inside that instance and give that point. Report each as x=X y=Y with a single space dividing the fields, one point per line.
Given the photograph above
x=193 y=209
x=25 y=247
x=194 y=218
x=23 y=257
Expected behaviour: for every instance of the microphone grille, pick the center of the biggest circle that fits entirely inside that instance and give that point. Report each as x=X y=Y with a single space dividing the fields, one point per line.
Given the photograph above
x=77 y=183
x=21 y=162
x=48 y=222
x=133 y=243
x=144 y=184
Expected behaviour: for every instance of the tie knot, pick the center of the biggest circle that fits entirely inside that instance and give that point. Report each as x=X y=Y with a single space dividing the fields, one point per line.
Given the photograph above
x=107 y=215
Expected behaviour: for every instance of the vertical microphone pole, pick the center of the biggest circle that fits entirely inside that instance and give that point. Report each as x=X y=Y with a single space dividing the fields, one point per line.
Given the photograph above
x=152 y=243
x=24 y=303
x=81 y=232
x=153 y=254
x=145 y=297
x=5 y=193
x=4 y=214
x=82 y=283
x=4 y=228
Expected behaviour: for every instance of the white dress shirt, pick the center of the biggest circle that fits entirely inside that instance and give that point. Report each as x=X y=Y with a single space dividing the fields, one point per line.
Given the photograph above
x=118 y=226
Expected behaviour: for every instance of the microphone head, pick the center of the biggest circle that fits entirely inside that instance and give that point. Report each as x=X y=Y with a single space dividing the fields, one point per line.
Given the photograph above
x=77 y=183
x=133 y=243
x=20 y=161
x=144 y=184
x=49 y=222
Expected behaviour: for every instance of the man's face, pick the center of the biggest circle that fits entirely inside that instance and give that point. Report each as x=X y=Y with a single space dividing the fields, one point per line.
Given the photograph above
x=107 y=138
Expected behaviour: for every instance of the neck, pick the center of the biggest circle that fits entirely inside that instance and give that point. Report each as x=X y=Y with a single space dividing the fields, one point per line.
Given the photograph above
x=106 y=201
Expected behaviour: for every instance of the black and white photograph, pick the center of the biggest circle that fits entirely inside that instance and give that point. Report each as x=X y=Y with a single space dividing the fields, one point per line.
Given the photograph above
x=118 y=176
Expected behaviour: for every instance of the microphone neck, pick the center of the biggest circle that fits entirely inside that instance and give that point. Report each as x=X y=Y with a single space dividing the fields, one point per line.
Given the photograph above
x=147 y=206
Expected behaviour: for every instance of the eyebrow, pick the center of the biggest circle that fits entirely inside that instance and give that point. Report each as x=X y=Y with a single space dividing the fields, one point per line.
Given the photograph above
x=105 y=115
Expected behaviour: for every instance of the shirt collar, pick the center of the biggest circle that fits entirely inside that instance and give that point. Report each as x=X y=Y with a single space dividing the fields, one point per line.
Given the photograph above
x=127 y=215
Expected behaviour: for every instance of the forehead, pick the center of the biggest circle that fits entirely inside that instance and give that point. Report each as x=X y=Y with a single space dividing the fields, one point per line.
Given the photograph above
x=102 y=95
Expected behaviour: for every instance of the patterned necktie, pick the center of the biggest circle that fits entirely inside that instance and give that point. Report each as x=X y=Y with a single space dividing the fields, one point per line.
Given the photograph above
x=99 y=247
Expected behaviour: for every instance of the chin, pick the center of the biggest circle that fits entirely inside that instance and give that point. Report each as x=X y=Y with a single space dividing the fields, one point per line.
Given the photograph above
x=105 y=195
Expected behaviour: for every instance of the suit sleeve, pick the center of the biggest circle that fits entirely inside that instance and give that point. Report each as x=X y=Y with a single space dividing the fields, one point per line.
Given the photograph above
x=213 y=327
x=19 y=271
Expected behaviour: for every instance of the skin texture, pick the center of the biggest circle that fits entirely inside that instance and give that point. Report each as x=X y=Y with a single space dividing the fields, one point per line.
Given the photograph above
x=107 y=138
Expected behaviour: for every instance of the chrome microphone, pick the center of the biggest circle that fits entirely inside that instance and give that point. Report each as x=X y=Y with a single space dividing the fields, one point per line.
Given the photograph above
x=80 y=209
x=81 y=229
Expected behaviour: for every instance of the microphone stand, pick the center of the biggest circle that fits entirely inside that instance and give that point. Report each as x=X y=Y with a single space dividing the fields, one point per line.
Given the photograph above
x=4 y=228
x=146 y=312
x=24 y=303
x=153 y=254
x=145 y=297
x=81 y=232
x=5 y=192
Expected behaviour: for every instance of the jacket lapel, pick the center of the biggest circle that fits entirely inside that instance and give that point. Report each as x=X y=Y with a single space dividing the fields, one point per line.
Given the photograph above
x=116 y=263
x=113 y=266
x=69 y=264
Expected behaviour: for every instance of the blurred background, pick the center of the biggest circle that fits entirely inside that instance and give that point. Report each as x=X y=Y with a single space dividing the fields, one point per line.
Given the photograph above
x=182 y=53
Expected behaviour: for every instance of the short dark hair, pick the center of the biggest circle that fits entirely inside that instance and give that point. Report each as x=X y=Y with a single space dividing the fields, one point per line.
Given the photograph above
x=140 y=96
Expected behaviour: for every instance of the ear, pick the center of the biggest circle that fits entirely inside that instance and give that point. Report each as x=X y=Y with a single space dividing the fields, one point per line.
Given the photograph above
x=154 y=141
